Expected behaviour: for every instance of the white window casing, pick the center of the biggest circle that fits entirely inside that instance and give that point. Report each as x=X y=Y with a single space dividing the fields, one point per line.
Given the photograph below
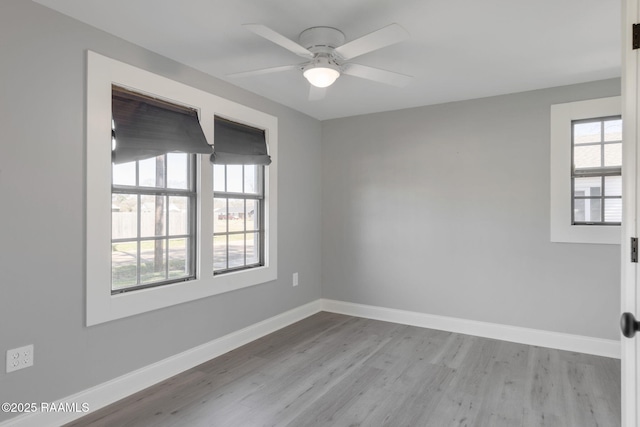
x=562 y=115
x=102 y=306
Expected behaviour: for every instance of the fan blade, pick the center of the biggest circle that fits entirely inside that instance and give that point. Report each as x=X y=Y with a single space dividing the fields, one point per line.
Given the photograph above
x=376 y=74
x=386 y=36
x=316 y=93
x=278 y=39
x=264 y=71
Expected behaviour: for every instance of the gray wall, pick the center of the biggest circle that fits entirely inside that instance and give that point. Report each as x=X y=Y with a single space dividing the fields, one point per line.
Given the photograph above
x=445 y=210
x=442 y=210
x=42 y=215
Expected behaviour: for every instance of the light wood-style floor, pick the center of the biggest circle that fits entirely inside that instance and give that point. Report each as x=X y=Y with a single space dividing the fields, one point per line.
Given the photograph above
x=335 y=370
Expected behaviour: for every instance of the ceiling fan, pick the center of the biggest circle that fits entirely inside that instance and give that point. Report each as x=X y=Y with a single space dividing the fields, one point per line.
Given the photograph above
x=327 y=55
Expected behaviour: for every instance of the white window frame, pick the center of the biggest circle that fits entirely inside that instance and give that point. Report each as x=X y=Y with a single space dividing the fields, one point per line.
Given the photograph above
x=562 y=116
x=102 y=306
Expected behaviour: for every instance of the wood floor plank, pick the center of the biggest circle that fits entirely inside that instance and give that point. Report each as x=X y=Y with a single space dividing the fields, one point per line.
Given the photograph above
x=407 y=394
x=504 y=393
x=309 y=378
x=454 y=350
x=584 y=395
x=544 y=386
x=327 y=409
x=343 y=371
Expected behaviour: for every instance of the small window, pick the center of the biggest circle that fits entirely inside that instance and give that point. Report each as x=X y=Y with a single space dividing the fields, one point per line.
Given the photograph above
x=586 y=157
x=596 y=178
x=238 y=225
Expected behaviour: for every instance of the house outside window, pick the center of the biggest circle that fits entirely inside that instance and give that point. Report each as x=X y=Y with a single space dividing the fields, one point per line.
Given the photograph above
x=597 y=171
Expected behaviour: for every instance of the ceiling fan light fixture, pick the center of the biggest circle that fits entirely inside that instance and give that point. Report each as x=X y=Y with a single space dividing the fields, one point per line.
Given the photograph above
x=321 y=76
x=326 y=54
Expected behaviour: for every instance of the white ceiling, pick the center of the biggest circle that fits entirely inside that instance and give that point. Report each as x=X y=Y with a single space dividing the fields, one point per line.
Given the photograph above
x=458 y=49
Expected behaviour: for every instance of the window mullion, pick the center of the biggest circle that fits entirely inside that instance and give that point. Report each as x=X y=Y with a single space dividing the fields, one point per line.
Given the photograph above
x=204 y=218
x=166 y=216
x=227 y=248
x=602 y=191
x=138 y=241
x=592 y=172
x=151 y=191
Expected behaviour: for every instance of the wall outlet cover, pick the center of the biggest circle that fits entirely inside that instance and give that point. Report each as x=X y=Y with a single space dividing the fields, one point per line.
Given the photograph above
x=19 y=358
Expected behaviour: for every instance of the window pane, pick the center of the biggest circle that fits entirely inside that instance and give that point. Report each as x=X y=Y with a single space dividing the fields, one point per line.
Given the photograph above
x=124 y=216
x=251 y=179
x=178 y=170
x=219 y=253
x=578 y=210
x=592 y=210
x=218 y=178
x=588 y=156
x=147 y=171
x=178 y=215
x=219 y=215
x=152 y=216
x=178 y=258
x=613 y=130
x=252 y=215
x=613 y=154
x=613 y=210
x=591 y=186
x=236 y=215
x=234 y=178
x=613 y=186
x=152 y=261
x=124 y=174
x=236 y=250
x=253 y=248
x=587 y=132
x=124 y=262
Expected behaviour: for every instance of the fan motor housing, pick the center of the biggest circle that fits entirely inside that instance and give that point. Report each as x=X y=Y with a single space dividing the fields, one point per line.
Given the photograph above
x=321 y=39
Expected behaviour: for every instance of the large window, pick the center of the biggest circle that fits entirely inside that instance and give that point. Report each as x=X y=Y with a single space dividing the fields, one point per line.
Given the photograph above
x=151 y=216
x=597 y=171
x=238 y=192
x=153 y=221
x=586 y=168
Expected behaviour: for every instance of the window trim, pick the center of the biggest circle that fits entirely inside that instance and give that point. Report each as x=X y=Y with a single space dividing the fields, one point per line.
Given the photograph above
x=562 y=116
x=102 y=73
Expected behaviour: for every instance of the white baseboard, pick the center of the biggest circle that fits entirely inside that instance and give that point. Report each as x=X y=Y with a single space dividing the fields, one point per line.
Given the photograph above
x=556 y=340
x=111 y=391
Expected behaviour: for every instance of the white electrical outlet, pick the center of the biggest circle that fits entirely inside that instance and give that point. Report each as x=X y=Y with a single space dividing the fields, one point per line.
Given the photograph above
x=295 y=279
x=19 y=358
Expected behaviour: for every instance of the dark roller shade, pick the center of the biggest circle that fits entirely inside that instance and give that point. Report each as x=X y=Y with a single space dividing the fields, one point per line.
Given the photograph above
x=146 y=128
x=238 y=144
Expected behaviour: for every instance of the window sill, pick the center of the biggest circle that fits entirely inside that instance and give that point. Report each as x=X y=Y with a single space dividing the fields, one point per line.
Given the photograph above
x=595 y=234
x=107 y=307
